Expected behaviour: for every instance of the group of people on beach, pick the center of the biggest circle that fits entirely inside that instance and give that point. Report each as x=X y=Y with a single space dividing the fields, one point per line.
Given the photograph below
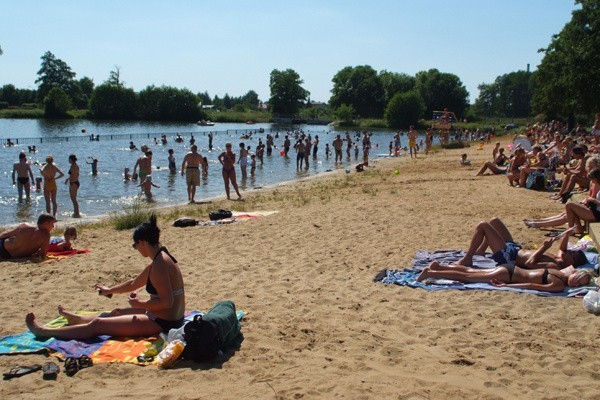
x=545 y=151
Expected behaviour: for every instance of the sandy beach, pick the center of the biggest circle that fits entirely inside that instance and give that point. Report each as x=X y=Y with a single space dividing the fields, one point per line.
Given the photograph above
x=317 y=326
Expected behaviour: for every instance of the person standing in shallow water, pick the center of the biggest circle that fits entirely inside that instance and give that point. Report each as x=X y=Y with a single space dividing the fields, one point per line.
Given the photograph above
x=73 y=182
x=190 y=167
x=227 y=160
x=22 y=170
x=49 y=173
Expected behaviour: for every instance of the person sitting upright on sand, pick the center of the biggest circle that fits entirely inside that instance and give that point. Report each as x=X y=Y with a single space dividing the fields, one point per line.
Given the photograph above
x=27 y=240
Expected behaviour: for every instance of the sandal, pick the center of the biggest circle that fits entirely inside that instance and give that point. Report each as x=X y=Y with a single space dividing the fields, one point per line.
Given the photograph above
x=71 y=366
x=84 y=362
x=18 y=371
x=50 y=371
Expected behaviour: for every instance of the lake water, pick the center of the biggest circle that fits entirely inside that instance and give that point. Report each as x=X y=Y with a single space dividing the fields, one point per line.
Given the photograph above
x=106 y=192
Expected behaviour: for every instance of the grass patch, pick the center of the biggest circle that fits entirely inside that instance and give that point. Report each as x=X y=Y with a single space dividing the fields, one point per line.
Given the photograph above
x=132 y=215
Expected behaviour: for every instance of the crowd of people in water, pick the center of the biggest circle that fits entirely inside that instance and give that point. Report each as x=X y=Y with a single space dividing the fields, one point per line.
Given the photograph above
x=243 y=161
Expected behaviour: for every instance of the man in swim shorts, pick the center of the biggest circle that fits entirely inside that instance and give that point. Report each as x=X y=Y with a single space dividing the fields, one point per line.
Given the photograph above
x=337 y=144
x=22 y=170
x=190 y=167
x=27 y=240
x=506 y=251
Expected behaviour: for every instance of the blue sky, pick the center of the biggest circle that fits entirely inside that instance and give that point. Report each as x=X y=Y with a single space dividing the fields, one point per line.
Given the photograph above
x=232 y=46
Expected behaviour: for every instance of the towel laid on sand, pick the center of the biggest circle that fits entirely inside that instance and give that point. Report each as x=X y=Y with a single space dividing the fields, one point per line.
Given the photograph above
x=103 y=349
x=66 y=253
x=236 y=217
x=408 y=276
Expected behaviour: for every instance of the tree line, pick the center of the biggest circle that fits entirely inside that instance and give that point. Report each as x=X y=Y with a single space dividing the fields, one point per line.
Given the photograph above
x=564 y=86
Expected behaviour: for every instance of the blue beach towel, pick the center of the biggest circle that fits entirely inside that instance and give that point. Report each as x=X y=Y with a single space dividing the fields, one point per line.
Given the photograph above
x=408 y=276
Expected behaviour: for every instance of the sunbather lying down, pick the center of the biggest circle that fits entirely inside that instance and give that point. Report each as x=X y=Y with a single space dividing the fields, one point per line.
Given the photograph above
x=542 y=279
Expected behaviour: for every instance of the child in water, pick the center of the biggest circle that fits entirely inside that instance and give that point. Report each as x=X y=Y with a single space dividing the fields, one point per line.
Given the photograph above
x=146 y=186
x=63 y=243
x=252 y=164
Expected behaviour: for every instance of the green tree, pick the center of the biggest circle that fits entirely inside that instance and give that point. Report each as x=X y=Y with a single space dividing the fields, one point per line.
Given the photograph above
x=395 y=83
x=227 y=101
x=57 y=103
x=568 y=80
x=113 y=102
x=204 y=98
x=169 y=104
x=487 y=104
x=509 y=96
x=345 y=113
x=8 y=93
x=250 y=99
x=404 y=109
x=360 y=87
x=114 y=77
x=442 y=90
x=287 y=93
x=54 y=72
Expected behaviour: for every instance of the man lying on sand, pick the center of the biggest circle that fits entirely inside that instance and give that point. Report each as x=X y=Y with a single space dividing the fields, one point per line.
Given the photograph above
x=495 y=235
x=27 y=240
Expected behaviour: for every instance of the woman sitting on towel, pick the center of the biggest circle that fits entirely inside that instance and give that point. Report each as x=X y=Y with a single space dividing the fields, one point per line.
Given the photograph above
x=161 y=312
x=543 y=279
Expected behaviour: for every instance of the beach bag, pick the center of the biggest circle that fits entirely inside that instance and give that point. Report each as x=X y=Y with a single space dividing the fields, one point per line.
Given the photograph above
x=184 y=221
x=535 y=181
x=219 y=214
x=218 y=329
x=201 y=340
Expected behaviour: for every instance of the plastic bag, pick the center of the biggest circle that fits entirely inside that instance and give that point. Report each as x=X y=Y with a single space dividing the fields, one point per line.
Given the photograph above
x=591 y=302
x=176 y=334
x=170 y=354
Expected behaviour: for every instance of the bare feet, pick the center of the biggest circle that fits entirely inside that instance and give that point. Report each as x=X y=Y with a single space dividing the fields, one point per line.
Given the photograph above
x=33 y=326
x=464 y=263
x=423 y=275
x=72 y=319
x=529 y=223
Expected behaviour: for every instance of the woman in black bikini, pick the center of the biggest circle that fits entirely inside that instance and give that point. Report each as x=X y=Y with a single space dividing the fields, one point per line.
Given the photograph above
x=73 y=182
x=543 y=279
x=164 y=310
x=227 y=160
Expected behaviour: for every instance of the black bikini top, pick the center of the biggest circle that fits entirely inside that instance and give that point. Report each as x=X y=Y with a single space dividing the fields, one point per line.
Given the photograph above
x=149 y=286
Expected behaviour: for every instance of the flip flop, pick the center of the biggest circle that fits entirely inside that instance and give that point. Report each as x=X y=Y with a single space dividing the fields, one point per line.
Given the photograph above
x=50 y=371
x=18 y=371
x=552 y=234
